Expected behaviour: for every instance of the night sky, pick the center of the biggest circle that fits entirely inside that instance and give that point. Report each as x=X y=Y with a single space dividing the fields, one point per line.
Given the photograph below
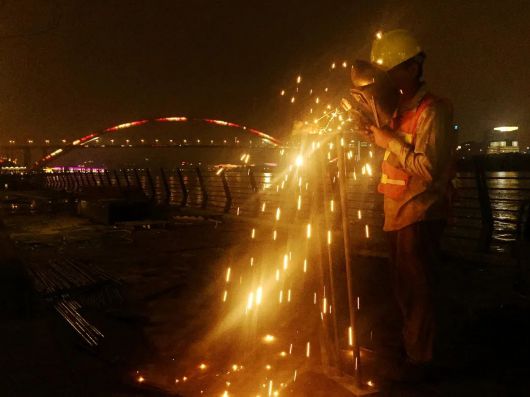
x=71 y=67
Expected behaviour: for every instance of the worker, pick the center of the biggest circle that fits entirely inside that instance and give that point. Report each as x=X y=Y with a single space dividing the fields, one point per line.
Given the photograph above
x=417 y=172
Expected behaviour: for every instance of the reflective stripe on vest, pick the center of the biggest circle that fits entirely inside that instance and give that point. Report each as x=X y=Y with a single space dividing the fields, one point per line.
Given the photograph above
x=394 y=179
x=386 y=179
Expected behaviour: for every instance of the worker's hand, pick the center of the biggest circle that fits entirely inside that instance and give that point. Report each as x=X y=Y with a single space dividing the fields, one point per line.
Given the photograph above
x=366 y=134
x=381 y=136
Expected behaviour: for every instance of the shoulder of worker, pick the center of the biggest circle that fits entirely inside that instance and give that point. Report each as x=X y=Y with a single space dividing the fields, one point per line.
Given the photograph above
x=437 y=106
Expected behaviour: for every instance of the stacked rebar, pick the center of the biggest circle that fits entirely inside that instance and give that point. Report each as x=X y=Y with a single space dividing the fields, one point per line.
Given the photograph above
x=65 y=275
x=68 y=309
x=65 y=282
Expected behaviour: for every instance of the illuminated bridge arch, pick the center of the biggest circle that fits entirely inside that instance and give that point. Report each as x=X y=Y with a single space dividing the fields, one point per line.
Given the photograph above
x=174 y=119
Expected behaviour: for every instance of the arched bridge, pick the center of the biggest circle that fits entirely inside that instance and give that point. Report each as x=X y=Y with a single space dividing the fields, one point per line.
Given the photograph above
x=59 y=151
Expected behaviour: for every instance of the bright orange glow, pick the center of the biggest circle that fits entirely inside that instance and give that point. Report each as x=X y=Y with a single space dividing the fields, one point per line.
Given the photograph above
x=269 y=338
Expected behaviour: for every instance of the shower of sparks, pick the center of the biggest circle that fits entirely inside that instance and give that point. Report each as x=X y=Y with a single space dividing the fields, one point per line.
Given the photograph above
x=266 y=291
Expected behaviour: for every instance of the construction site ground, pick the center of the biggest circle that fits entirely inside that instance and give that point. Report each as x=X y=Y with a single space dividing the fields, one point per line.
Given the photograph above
x=164 y=272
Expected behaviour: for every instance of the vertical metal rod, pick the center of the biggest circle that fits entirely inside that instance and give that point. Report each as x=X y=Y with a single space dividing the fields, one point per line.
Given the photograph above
x=165 y=184
x=101 y=180
x=93 y=177
x=117 y=178
x=347 y=260
x=107 y=174
x=138 y=180
x=82 y=178
x=183 y=188
x=151 y=184
x=68 y=182
x=77 y=183
x=254 y=189
x=486 y=231
x=126 y=177
x=228 y=194
x=204 y=202
x=331 y=275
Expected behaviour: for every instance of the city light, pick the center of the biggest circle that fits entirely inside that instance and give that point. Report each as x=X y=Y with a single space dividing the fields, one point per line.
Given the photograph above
x=506 y=128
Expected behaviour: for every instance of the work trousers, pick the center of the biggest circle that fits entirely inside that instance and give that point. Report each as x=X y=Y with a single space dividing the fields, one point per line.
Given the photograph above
x=414 y=255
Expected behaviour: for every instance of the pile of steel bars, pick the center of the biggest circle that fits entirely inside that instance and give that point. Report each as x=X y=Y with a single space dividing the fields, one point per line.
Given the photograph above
x=68 y=309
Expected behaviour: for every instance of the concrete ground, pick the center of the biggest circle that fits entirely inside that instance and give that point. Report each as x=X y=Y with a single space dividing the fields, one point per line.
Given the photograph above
x=166 y=274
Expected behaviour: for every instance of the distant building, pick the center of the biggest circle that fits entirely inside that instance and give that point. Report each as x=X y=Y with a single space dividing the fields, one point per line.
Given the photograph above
x=506 y=139
x=470 y=148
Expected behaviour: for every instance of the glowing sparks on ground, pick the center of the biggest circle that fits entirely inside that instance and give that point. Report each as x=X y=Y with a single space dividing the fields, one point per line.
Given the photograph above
x=228 y=271
x=308 y=349
x=308 y=231
x=367 y=231
x=253 y=233
x=350 y=336
x=269 y=338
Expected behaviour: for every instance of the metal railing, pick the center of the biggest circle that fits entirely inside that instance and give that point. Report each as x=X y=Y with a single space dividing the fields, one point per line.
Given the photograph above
x=484 y=215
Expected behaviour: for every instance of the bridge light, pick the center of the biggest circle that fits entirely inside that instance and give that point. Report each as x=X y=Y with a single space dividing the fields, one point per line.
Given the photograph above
x=30 y=140
x=64 y=140
x=47 y=141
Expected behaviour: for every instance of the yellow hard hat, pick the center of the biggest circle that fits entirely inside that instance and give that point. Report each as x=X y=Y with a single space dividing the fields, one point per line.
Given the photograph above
x=392 y=48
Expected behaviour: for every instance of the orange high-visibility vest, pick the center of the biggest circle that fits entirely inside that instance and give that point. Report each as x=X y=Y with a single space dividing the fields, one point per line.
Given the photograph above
x=394 y=179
